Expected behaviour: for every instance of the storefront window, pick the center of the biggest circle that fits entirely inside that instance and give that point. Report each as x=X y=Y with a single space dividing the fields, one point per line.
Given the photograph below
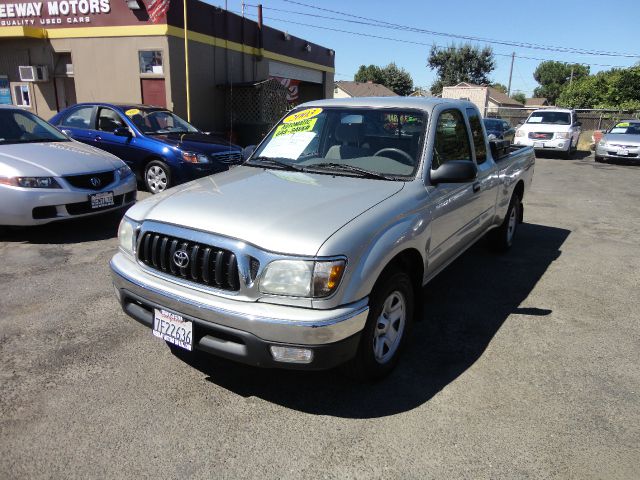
x=151 y=61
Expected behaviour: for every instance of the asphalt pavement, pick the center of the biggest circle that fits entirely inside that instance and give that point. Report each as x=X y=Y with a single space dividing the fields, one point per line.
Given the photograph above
x=525 y=365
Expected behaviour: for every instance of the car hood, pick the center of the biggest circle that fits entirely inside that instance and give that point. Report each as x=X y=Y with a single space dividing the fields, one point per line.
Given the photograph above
x=196 y=142
x=55 y=159
x=544 y=127
x=280 y=211
x=622 y=139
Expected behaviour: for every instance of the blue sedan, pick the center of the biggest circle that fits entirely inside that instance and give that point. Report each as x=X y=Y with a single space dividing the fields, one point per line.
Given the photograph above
x=161 y=148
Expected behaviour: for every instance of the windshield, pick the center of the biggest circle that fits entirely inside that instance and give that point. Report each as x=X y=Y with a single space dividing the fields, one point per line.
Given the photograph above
x=377 y=143
x=25 y=127
x=158 y=121
x=493 y=124
x=555 y=118
x=626 y=128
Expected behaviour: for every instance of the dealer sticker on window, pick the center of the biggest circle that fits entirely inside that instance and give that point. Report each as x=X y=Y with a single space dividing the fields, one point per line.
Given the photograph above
x=302 y=115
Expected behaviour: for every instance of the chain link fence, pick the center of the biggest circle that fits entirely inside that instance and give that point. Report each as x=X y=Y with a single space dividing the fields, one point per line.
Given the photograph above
x=592 y=119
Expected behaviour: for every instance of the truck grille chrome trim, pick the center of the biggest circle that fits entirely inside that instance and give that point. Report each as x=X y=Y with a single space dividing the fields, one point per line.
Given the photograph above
x=200 y=263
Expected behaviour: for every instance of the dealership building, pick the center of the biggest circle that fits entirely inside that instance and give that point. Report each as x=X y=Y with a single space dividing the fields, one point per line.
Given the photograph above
x=60 y=52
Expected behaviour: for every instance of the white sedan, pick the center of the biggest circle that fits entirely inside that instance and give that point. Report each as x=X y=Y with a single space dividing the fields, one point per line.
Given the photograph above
x=45 y=176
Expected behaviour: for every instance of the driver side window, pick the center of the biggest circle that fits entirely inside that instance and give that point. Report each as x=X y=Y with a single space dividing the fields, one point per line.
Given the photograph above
x=452 y=139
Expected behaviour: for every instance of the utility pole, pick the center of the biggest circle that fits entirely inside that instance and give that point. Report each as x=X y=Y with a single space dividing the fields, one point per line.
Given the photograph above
x=513 y=56
x=571 y=77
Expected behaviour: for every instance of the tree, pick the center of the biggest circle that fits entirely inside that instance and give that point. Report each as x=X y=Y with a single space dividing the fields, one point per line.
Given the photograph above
x=371 y=73
x=554 y=76
x=519 y=97
x=464 y=63
x=391 y=76
x=615 y=88
x=500 y=87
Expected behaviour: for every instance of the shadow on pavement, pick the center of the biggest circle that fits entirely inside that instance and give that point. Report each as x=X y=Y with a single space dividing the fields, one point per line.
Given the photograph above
x=87 y=229
x=463 y=308
x=578 y=155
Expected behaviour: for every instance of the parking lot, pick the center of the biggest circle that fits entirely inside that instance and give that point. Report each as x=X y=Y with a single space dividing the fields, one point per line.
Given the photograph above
x=523 y=366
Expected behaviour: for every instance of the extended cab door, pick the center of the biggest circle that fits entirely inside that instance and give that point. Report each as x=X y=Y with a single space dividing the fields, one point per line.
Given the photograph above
x=454 y=213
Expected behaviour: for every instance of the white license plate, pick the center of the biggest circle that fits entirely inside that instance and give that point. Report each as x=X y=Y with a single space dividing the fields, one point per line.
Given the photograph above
x=623 y=151
x=172 y=328
x=538 y=144
x=102 y=199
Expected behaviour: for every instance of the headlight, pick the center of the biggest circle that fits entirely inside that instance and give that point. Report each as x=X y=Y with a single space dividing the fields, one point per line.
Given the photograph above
x=194 y=157
x=124 y=171
x=519 y=133
x=31 y=182
x=564 y=135
x=602 y=143
x=127 y=235
x=302 y=278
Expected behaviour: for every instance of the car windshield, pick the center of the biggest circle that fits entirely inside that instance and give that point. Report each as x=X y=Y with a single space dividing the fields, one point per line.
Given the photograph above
x=24 y=127
x=626 y=128
x=555 y=118
x=158 y=121
x=492 y=124
x=374 y=143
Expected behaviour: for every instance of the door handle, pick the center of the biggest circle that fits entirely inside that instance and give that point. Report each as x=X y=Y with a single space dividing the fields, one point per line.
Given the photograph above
x=97 y=138
x=476 y=187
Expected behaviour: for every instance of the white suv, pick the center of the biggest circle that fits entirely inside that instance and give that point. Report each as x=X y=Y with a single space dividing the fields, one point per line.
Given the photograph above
x=553 y=129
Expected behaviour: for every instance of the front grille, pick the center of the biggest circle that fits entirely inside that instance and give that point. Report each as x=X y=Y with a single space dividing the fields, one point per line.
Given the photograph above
x=207 y=265
x=102 y=179
x=541 y=135
x=230 y=158
x=615 y=153
x=85 y=207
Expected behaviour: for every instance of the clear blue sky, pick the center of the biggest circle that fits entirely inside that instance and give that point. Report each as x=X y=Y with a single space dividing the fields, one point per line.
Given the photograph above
x=588 y=25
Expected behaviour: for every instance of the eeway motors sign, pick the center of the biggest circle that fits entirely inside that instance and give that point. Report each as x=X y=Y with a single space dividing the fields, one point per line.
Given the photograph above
x=51 y=13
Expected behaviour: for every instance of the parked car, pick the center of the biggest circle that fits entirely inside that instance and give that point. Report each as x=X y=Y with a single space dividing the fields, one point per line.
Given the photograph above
x=622 y=141
x=550 y=129
x=499 y=129
x=161 y=148
x=312 y=252
x=46 y=176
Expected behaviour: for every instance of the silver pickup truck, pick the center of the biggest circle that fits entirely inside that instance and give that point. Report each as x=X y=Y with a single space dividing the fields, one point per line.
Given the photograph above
x=311 y=253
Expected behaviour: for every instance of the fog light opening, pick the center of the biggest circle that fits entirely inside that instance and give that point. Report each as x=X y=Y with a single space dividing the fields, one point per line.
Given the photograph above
x=291 y=354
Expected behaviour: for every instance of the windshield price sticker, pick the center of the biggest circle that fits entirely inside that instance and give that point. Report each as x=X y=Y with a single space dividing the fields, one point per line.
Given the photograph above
x=131 y=112
x=291 y=128
x=623 y=124
x=535 y=120
x=302 y=115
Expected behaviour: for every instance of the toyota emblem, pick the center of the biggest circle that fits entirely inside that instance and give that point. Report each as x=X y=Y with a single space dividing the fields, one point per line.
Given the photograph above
x=181 y=258
x=95 y=181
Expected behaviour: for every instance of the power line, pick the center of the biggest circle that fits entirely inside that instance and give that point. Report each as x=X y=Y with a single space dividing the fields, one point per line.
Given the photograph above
x=395 y=26
x=414 y=42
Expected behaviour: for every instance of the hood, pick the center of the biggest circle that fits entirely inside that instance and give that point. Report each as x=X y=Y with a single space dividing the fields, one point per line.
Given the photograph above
x=544 y=127
x=196 y=142
x=280 y=211
x=55 y=159
x=622 y=139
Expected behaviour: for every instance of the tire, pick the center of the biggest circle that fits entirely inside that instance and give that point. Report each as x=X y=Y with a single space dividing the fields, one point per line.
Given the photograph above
x=384 y=335
x=501 y=238
x=598 y=159
x=569 y=153
x=157 y=176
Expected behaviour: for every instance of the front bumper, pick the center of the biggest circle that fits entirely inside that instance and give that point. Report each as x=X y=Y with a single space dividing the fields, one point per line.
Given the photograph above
x=238 y=330
x=33 y=206
x=633 y=153
x=555 y=144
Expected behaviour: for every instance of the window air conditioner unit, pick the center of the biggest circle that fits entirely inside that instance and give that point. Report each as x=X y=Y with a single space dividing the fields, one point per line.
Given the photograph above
x=34 y=73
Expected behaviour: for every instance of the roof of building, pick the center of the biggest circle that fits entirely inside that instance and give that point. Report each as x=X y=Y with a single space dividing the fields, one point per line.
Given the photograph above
x=536 y=102
x=497 y=96
x=365 y=89
x=421 y=92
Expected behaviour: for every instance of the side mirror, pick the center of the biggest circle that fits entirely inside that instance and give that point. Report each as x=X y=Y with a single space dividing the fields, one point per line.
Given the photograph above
x=454 y=171
x=247 y=151
x=122 y=132
x=578 y=124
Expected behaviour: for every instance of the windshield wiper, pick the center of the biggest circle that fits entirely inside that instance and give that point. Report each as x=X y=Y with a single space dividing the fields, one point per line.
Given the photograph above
x=264 y=161
x=349 y=168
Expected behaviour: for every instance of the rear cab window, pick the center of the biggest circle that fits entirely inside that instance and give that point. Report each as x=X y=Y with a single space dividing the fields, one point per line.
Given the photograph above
x=479 y=145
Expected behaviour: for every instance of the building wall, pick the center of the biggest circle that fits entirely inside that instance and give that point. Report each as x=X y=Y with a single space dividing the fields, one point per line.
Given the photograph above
x=339 y=93
x=477 y=95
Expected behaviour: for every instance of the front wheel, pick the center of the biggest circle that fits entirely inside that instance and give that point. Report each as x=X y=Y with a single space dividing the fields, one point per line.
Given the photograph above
x=157 y=176
x=388 y=325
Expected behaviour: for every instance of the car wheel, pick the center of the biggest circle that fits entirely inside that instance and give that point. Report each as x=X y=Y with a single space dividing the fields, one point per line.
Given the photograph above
x=388 y=325
x=598 y=159
x=501 y=238
x=157 y=176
